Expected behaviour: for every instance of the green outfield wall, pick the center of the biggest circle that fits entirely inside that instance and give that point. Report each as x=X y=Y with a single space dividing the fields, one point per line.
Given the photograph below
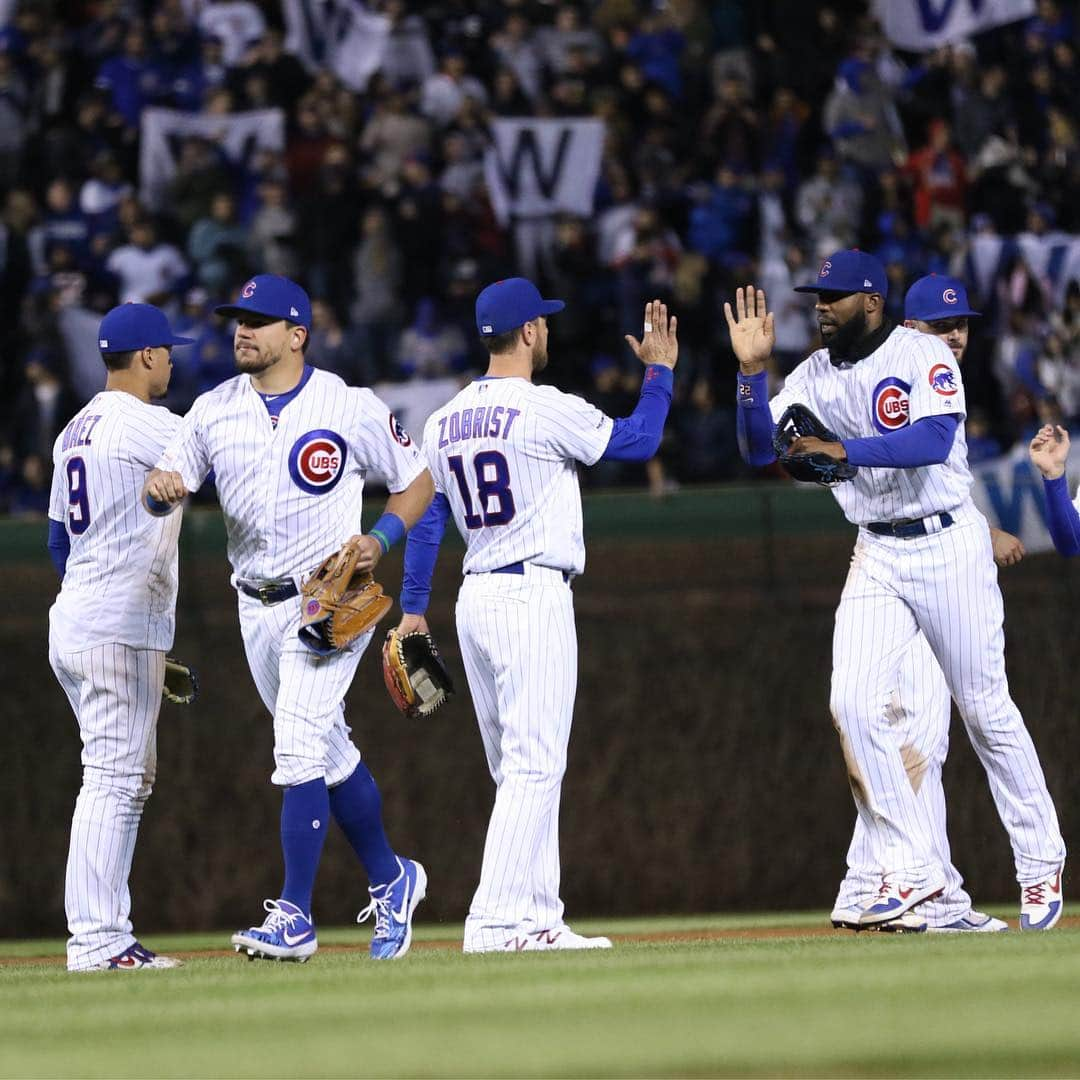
x=704 y=773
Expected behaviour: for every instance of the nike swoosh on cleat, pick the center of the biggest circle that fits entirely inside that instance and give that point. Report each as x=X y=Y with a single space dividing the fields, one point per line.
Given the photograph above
x=403 y=913
x=905 y=893
x=294 y=939
x=1056 y=887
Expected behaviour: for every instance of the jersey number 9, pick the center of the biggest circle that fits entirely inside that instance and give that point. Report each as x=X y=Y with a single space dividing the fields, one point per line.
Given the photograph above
x=492 y=483
x=78 y=500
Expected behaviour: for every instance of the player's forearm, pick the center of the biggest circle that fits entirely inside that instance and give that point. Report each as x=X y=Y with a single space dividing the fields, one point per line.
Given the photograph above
x=59 y=544
x=409 y=505
x=926 y=442
x=637 y=437
x=1061 y=517
x=754 y=422
x=421 y=554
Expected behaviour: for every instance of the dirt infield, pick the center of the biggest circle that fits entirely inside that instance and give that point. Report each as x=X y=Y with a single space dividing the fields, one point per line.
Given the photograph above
x=750 y=933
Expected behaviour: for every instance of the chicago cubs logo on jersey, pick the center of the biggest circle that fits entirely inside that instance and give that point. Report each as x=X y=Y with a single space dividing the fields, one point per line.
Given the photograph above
x=890 y=403
x=399 y=433
x=317 y=461
x=943 y=380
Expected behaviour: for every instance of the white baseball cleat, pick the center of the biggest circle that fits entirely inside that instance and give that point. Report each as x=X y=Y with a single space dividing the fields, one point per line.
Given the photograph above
x=896 y=897
x=135 y=958
x=974 y=922
x=848 y=919
x=560 y=937
x=1041 y=903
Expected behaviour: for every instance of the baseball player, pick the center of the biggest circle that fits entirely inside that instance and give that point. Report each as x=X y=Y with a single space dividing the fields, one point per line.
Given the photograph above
x=1049 y=451
x=112 y=624
x=504 y=455
x=290 y=446
x=920 y=707
x=923 y=562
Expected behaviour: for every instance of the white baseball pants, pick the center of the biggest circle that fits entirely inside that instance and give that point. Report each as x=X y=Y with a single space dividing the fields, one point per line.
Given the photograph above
x=303 y=692
x=944 y=584
x=115 y=693
x=519 y=648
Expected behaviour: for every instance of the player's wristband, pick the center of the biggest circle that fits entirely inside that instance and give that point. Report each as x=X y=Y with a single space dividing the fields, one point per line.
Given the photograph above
x=158 y=509
x=388 y=530
x=753 y=390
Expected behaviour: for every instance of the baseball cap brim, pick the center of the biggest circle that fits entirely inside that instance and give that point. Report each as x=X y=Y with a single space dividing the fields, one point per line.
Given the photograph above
x=825 y=288
x=549 y=307
x=177 y=340
x=231 y=311
x=945 y=313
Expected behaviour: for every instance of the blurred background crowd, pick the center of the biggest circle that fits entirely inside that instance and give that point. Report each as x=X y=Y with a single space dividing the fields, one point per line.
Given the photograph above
x=744 y=140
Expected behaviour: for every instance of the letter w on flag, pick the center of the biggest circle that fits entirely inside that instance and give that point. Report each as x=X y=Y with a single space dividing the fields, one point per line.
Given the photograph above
x=536 y=168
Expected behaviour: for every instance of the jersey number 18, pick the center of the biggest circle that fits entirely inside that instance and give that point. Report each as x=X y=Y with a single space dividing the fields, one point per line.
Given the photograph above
x=492 y=483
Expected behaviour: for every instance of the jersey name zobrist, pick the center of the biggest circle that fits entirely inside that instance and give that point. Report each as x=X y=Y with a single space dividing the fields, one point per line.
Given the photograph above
x=483 y=422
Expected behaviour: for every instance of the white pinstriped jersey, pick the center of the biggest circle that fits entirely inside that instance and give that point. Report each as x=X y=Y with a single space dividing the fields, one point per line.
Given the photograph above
x=911 y=375
x=291 y=493
x=121 y=578
x=505 y=453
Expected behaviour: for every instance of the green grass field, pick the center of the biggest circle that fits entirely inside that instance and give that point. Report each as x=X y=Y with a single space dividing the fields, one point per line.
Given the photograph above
x=732 y=996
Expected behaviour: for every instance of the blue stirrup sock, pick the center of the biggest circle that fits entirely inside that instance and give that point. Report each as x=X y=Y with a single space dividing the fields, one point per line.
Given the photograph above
x=357 y=807
x=305 y=812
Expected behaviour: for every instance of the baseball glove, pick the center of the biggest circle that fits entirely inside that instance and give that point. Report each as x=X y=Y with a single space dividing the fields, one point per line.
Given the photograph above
x=415 y=674
x=340 y=603
x=817 y=468
x=181 y=685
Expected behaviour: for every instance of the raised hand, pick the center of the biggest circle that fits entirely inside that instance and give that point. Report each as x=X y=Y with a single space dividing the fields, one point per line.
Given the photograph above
x=1049 y=451
x=658 y=344
x=752 y=332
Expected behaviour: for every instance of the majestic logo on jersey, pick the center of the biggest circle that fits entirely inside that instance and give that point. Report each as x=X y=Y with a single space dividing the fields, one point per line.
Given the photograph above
x=398 y=432
x=248 y=291
x=949 y=296
x=890 y=404
x=317 y=461
x=943 y=380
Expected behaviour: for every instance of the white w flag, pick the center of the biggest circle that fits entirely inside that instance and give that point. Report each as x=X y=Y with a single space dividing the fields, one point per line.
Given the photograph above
x=341 y=35
x=536 y=168
x=922 y=25
x=163 y=131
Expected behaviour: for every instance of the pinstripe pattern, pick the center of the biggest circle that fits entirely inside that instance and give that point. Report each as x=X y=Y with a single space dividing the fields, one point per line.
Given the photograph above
x=844 y=399
x=121 y=578
x=919 y=712
x=304 y=693
x=942 y=585
x=108 y=631
x=115 y=692
x=946 y=584
x=524 y=709
x=517 y=634
x=275 y=527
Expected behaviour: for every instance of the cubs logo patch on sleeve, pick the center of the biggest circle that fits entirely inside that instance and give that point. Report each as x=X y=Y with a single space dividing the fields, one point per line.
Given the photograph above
x=399 y=433
x=943 y=380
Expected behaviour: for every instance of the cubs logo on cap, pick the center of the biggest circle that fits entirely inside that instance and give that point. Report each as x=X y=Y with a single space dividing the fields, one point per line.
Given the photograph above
x=850 y=271
x=937 y=297
x=271 y=295
x=317 y=461
x=890 y=405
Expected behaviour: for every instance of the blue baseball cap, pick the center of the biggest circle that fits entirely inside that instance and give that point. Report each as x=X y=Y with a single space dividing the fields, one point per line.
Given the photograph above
x=505 y=305
x=136 y=326
x=850 y=271
x=937 y=297
x=273 y=296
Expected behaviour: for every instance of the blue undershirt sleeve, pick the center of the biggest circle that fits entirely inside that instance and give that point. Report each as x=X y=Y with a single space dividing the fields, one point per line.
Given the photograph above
x=421 y=553
x=59 y=546
x=754 y=422
x=926 y=442
x=637 y=437
x=1061 y=517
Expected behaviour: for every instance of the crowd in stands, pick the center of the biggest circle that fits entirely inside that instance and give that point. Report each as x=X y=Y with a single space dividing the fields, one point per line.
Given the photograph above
x=745 y=140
